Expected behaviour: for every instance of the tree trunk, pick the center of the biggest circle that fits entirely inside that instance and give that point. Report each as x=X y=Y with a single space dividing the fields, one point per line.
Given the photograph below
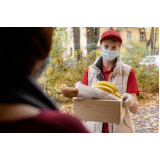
x=97 y=32
x=76 y=35
x=145 y=34
x=155 y=39
x=152 y=43
x=150 y=39
x=92 y=37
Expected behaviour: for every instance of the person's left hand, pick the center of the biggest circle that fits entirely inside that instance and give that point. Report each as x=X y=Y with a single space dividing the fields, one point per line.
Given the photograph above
x=127 y=100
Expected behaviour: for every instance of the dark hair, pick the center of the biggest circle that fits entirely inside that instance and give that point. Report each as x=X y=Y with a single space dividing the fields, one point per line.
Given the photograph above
x=22 y=47
x=112 y=39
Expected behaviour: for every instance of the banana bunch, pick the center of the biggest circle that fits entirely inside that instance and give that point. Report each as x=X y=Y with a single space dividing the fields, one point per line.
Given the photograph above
x=107 y=87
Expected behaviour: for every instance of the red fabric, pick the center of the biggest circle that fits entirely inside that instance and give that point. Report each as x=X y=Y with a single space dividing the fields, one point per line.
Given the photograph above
x=132 y=86
x=111 y=33
x=105 y=128
x=48 y=121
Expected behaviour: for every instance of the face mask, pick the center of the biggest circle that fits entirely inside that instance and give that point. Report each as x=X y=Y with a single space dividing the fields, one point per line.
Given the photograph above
x=109 y=55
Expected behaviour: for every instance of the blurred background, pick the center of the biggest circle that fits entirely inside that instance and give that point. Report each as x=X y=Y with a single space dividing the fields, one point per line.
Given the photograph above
x=74 y=49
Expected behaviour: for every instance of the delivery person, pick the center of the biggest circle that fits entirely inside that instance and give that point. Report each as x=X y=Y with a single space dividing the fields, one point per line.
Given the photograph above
x=109 y=67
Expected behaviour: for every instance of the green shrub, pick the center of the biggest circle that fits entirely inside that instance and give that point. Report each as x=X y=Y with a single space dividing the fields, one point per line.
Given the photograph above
x=147 y=76
x=58 y=75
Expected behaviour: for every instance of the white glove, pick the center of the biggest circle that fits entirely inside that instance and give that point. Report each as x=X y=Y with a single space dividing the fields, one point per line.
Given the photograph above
x=127 y=100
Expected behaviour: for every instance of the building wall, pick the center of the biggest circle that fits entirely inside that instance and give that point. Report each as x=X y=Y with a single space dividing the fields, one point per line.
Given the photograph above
x=135 y=35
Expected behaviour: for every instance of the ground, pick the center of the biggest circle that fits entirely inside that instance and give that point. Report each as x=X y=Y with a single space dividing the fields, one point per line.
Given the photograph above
x=146 y=120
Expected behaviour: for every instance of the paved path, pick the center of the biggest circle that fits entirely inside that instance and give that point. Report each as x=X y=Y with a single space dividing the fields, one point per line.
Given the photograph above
x=146 y=120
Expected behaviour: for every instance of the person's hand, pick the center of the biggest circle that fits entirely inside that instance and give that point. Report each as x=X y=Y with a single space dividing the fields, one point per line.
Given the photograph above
x=127 y=100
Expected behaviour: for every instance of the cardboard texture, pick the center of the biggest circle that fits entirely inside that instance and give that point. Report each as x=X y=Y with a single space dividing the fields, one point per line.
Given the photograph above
x=99 y=110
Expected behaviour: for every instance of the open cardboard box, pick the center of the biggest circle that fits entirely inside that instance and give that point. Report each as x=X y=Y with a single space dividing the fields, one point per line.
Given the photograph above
x=99 y=110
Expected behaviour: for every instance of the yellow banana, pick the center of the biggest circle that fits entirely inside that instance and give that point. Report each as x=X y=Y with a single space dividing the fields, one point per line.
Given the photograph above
x=106 y=84
x=106 y=89
x=117 y=94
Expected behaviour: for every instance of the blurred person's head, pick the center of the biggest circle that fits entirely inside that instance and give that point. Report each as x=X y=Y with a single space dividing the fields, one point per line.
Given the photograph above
x=23 y=50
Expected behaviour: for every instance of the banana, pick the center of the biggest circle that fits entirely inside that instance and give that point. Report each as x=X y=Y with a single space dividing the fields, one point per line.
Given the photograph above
x=107 y=84
x=106 y=89
x=117 y=94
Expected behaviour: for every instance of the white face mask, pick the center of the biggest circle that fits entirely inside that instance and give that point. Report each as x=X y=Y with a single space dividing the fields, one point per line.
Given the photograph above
x=109 y=55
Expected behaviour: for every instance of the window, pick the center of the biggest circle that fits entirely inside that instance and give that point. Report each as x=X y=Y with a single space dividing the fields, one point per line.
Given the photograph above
x=128 y=35
x=141 y=35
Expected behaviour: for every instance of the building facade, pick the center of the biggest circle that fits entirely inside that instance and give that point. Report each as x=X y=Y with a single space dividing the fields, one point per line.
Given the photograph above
x=127 y=33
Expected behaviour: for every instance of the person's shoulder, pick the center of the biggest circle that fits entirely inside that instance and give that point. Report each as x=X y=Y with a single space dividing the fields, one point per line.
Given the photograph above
x=61 y=121
x=87 y=70
x=50 y=115
x=126 y=66
x=132 y=70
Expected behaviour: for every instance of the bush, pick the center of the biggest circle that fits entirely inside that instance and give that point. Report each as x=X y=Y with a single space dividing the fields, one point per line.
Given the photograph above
x=58 y=75
x=147 y=76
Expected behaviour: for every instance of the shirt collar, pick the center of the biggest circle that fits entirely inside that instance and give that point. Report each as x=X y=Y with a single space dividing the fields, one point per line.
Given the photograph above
x=105 y=71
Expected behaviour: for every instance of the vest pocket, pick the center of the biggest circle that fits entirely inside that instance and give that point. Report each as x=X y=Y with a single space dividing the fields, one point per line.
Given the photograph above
x=122 y=128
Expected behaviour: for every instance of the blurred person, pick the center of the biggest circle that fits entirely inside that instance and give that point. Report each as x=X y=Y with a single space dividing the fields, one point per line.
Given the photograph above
x=23 y=105
x=109 y=67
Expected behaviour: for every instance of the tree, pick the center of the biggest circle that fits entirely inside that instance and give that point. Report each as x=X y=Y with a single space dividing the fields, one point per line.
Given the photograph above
x=151 y=36
x=145 y=34
x=76 y=35
x=92 y=34
x=152 y=40
x=155 y=39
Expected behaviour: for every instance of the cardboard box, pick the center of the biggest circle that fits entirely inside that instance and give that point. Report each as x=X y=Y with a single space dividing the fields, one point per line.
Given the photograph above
x=99 y=110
